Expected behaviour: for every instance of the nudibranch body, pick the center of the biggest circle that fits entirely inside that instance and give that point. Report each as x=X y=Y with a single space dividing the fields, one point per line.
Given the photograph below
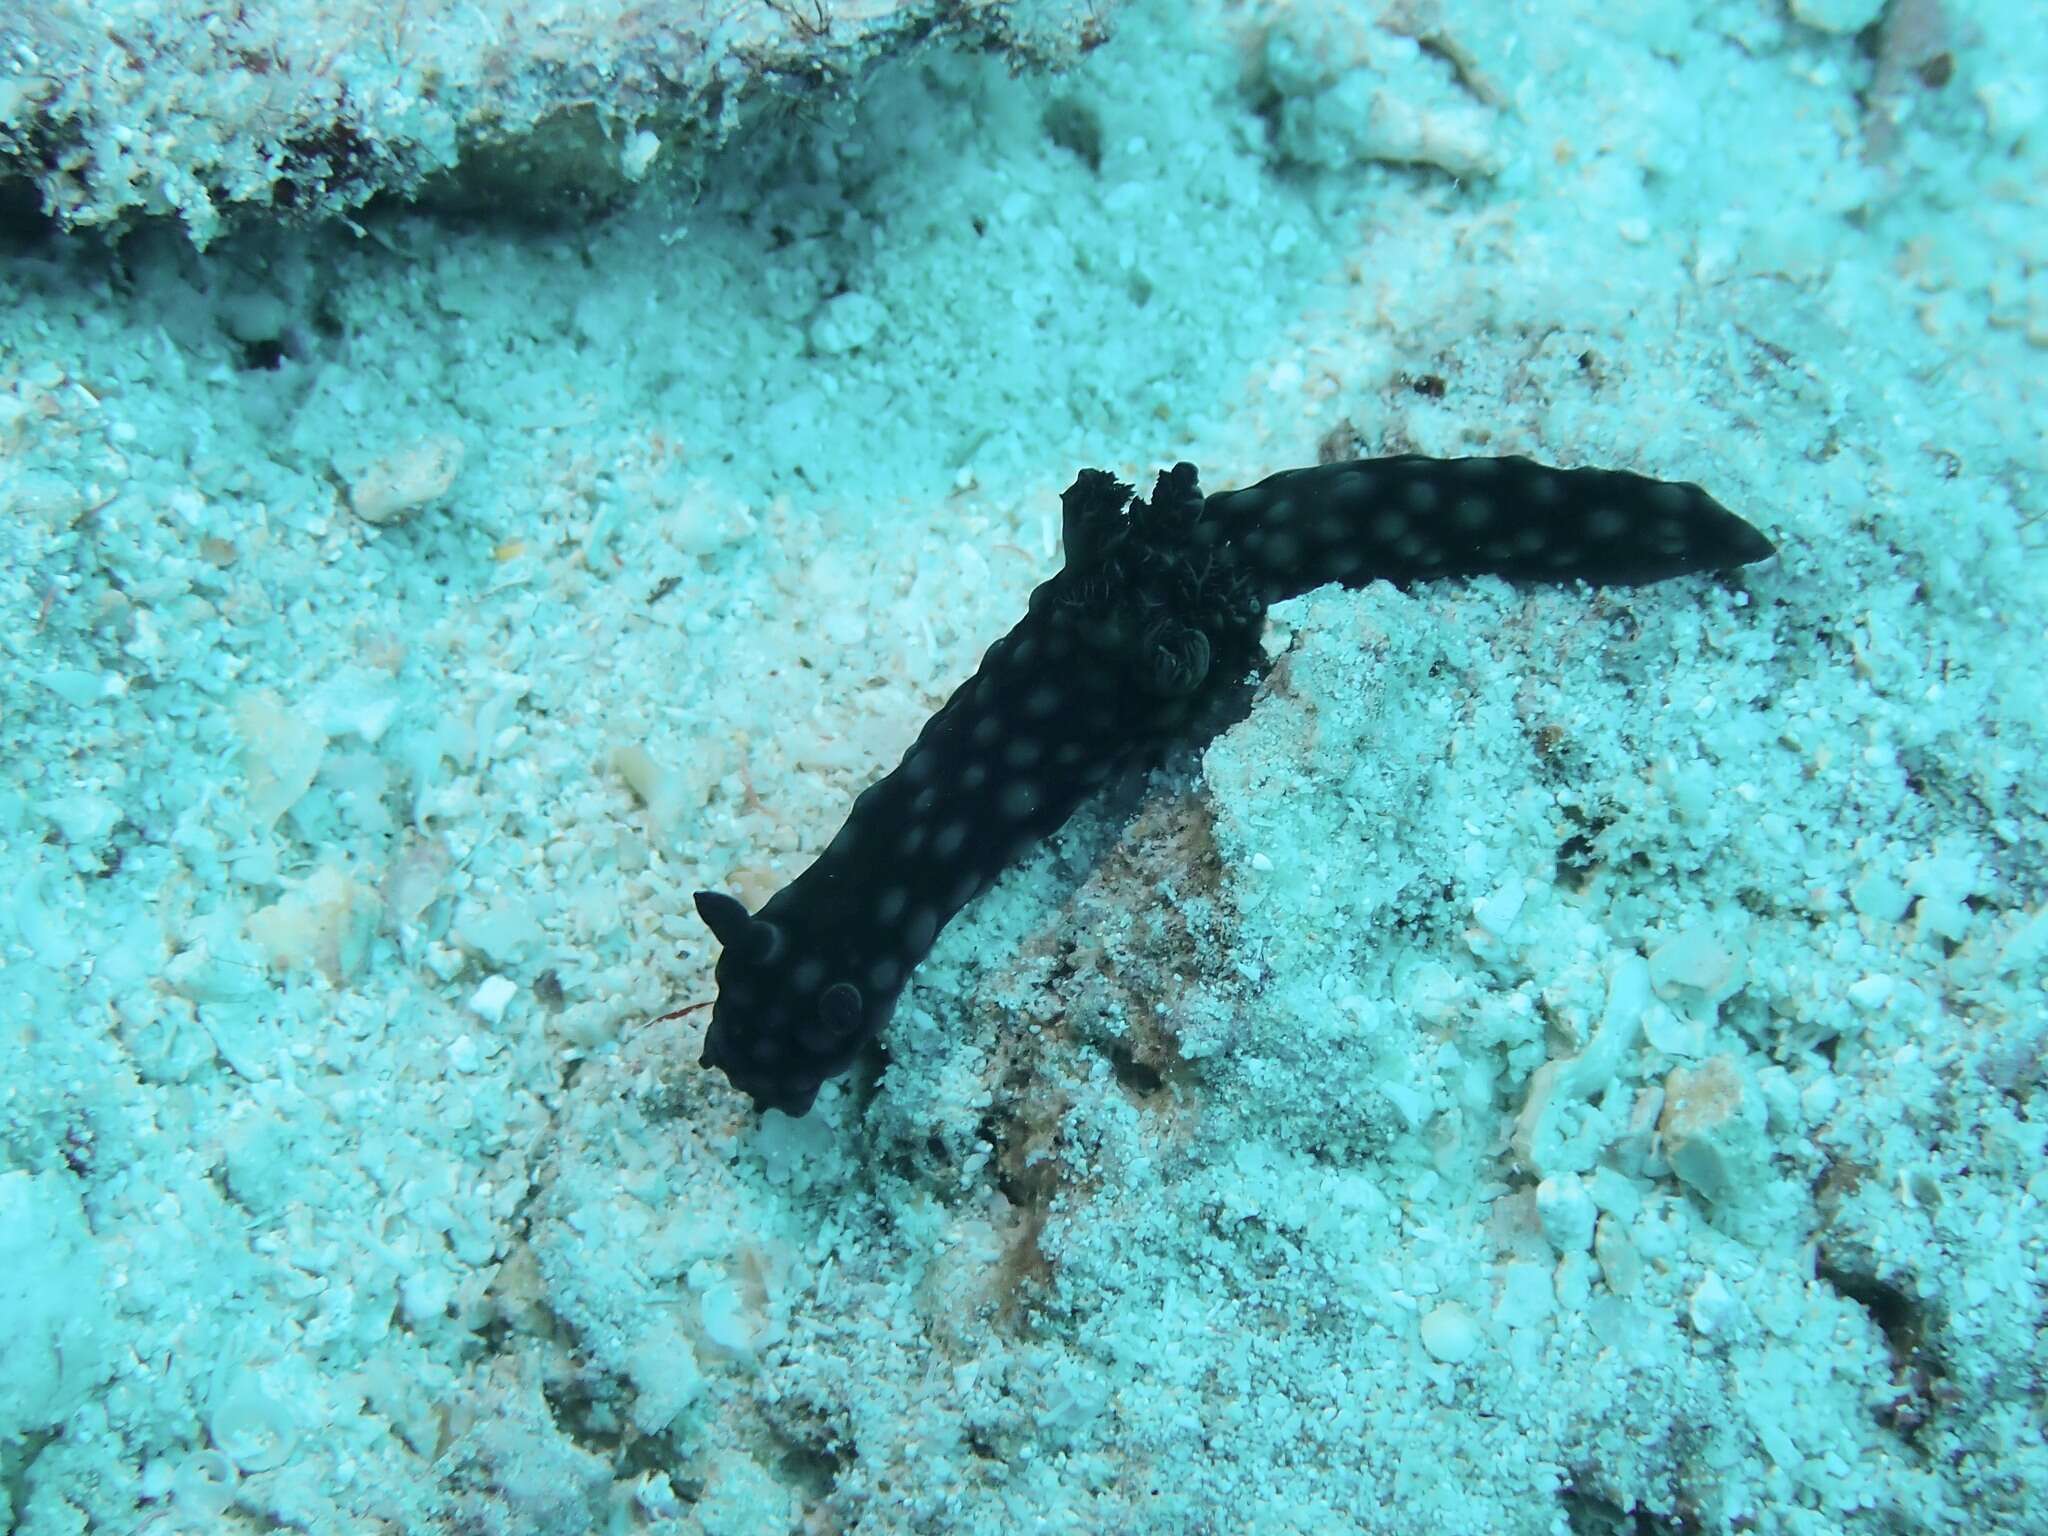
x=1157 y=608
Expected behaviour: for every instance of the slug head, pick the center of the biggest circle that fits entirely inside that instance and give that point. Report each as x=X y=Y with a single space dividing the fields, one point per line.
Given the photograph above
x=781 y=1024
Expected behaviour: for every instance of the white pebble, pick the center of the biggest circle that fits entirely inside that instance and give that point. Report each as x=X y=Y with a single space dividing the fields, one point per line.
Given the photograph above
x=398 y=485
x=1497 y=913
x=725 y=1322
x=491 y=997
x=1566 y=1211
x=1845 y=18
x=1713 y=1307
x=638 y=153
x=423 y=1296
x=1449 y=1333
x=846 y=323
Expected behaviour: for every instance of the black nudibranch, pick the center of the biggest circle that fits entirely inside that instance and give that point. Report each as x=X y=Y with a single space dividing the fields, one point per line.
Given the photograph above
x=1158 y=607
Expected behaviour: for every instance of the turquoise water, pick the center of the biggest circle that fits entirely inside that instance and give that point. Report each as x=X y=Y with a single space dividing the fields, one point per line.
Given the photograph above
x=1559 y=1061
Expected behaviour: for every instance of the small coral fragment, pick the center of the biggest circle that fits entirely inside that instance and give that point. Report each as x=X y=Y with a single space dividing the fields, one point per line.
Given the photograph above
x=394 y=488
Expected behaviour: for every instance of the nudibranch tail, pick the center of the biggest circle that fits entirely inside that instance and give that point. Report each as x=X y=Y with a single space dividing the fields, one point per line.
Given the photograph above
x=1156 y=610
x=1413 y=519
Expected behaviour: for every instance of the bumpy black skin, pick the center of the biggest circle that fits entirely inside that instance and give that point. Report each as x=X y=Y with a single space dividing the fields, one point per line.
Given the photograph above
x=1158 y=607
